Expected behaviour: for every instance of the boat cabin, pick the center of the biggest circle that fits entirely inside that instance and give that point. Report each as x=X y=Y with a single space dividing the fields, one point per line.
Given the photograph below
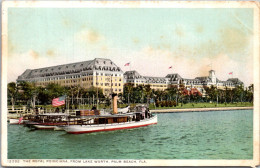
x=50 y=118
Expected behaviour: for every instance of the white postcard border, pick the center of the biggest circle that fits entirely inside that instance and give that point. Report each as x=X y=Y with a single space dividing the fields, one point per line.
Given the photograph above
x=127 y=162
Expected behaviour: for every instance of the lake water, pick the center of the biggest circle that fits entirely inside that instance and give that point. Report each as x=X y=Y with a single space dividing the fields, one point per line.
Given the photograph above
x=194 y=135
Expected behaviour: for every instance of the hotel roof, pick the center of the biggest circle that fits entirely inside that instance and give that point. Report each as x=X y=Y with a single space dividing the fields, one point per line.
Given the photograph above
x=100 y=64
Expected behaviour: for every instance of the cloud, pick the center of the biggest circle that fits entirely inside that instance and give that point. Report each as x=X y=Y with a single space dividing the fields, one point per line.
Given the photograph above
x=199 y=29
x=89 y=36
x=50 y=52
x=233 y=39
x=179 y=30
x=34 y=54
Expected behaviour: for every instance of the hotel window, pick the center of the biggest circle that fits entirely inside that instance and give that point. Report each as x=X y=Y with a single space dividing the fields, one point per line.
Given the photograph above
x=120 y=79
x=119 y=90
x=115 y=89
x=115 y=84
x=119 y=84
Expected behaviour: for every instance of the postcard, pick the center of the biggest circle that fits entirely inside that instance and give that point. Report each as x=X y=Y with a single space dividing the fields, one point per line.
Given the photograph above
x=130 y=83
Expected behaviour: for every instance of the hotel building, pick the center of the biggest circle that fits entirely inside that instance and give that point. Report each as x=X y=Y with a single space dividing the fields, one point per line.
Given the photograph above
x=162 y=83
x=101 y=73
x=105 y=74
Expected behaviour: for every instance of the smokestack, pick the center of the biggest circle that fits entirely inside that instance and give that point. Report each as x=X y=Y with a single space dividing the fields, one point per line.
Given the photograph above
x=114 y=97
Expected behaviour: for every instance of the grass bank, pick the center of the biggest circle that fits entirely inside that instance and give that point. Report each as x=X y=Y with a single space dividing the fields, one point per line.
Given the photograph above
x=204 y=105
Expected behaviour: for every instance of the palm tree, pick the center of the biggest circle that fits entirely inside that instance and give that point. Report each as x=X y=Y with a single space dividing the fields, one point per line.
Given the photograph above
x=129 y=90
x=147 y=92
x=35 y=93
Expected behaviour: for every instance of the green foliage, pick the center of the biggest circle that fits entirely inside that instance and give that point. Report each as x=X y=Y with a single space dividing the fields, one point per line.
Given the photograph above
x=157 y=104
x=26 y=93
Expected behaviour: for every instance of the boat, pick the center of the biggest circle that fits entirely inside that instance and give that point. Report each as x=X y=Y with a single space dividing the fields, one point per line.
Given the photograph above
x=15 y=121
x=96 y=123
x=47 y=121
x=20 y=120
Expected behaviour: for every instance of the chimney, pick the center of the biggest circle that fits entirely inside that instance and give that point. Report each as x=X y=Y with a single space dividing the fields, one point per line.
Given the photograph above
x=114 y=97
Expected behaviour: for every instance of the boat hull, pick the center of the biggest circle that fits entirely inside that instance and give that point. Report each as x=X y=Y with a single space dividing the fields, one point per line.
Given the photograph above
x=51 y=127
x=80 y=129
x=16 y=121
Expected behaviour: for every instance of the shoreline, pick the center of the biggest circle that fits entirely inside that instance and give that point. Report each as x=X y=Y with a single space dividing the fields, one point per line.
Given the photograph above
x=200 y=109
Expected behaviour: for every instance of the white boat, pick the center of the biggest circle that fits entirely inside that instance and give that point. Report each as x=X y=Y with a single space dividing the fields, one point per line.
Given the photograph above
x=89 y=128
x=44 y=126
x=16 y=121
x=140 y=118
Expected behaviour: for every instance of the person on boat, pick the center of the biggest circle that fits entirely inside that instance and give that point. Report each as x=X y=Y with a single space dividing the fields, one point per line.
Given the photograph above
x=36 y=110
x=94 y=108
x=57 y=110
x=149 y=113
x=146 y=113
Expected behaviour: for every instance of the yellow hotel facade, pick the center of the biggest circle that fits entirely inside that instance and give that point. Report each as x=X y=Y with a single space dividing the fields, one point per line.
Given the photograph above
x=105 y=74
x=101 y=73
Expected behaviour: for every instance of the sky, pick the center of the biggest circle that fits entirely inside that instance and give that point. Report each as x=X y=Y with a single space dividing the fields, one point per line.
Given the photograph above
x=152 y=40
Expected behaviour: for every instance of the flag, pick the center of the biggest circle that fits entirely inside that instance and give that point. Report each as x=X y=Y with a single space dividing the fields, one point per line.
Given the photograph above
x=230 y=73
x=20 y=120
x=58 y=101
x=170 y=67
x=127 y=64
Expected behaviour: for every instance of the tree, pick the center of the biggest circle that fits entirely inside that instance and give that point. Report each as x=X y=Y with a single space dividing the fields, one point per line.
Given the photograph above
x=212 y=92
x=147 y=92
x=173 y=91
x=181 y=93
x=34 y=92
x=12 y=91
x=25 y=91
x=238 y=92
x=51 y=91
x=128 y=88
x=249 y=93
